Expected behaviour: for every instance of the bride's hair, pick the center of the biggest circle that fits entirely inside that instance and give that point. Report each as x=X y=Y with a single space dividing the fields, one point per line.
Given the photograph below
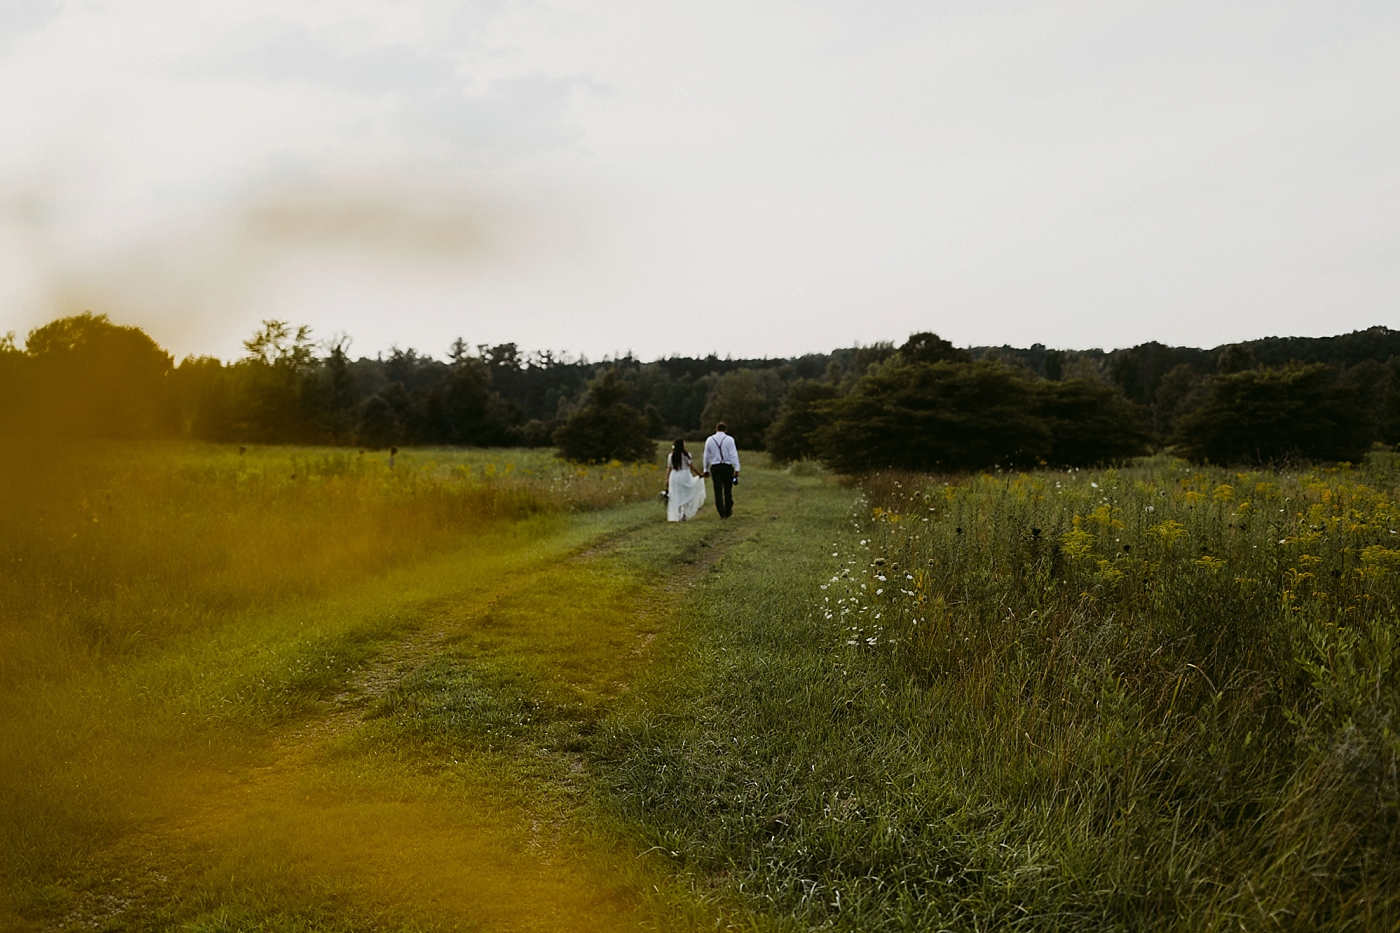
x=678 y=453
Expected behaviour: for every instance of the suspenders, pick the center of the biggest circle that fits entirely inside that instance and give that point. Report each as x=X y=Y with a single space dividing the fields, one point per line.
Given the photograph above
x=719 y=449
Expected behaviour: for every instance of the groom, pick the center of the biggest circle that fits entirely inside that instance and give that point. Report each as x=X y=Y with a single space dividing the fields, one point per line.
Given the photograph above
x=721 y=464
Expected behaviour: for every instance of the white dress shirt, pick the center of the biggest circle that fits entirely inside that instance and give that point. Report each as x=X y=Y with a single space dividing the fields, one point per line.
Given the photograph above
x=720 y=448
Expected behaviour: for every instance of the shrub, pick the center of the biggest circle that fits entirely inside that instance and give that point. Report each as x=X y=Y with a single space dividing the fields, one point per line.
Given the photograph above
x=379 y=424
x=605 y=428
x=920 y=416
x=1090 y=423
x=1272 y=415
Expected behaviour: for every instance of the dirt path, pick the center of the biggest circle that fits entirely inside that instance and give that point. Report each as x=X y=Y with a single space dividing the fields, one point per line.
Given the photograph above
x=404 y=803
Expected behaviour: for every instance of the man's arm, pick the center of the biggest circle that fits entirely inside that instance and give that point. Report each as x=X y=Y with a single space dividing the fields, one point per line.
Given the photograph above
x=735 y=448
x=705 y=457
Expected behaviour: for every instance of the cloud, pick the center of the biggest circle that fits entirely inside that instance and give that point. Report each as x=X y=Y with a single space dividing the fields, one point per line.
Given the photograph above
x=374 y=220
x=18 y=17
x=216 y=275
x=1071 y=173
x=280 y=52
x=420 y=90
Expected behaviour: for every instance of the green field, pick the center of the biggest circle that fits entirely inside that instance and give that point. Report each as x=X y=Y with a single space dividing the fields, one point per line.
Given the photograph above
x=295 y=689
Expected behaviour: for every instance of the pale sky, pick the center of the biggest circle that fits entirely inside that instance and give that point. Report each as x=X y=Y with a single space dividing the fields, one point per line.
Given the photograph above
x=756 y=178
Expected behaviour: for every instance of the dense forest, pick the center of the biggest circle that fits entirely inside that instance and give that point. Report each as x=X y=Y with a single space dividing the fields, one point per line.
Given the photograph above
x=922 y=405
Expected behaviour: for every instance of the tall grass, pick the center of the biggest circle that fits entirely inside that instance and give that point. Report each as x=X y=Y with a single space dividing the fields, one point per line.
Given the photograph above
x=165 y=608
x=1159 y=698
x=1191 y=671
x=106 y=549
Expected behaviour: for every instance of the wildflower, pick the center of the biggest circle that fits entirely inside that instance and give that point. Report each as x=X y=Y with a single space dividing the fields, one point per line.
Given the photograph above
x=1078 y=542
x=1169 y=531
x=1379 y=558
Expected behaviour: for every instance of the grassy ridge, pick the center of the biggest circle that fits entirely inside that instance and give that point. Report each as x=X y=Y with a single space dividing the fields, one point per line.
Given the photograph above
x=1151 y=699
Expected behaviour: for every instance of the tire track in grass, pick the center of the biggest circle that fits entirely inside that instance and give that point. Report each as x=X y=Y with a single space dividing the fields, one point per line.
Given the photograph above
x=443 y=787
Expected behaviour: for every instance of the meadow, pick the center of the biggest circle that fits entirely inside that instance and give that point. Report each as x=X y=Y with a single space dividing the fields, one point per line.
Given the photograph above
x=108 y=549
x=297 y=689
x=1162 y=697
x=186 y=626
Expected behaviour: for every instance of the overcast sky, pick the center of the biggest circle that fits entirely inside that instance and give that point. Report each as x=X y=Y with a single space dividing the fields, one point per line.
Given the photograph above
x=756 y=178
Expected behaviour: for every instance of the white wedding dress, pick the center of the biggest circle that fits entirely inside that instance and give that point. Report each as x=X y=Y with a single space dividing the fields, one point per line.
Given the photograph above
x=686 y=492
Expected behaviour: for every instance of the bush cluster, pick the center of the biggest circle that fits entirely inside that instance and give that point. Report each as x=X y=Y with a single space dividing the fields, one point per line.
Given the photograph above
x=930 y=407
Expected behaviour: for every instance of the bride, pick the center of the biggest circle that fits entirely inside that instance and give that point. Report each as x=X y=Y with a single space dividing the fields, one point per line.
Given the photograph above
x=684 y=485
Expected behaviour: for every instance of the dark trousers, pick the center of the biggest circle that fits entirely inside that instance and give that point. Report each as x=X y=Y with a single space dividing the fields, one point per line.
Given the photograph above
x=722 y=475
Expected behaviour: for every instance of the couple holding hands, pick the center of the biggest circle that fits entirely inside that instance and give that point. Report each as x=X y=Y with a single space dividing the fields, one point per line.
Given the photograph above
x=685 y=485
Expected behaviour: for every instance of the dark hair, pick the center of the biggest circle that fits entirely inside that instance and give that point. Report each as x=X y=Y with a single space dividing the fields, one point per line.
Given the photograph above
x=678 y=453
x=722 y=427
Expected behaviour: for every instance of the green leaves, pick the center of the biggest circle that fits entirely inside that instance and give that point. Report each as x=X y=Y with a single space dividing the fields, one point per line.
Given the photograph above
x=605 y=428
x=1272 y=415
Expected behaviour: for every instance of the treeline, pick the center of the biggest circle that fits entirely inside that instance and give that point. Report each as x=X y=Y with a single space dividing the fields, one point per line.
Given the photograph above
x=922 y=405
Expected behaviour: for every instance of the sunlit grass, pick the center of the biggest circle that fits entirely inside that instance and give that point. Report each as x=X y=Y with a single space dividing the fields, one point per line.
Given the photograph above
x=107 y=549
x=172 y=613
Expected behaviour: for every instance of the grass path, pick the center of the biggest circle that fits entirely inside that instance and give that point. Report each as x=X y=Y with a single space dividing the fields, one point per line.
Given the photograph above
x=442 y=780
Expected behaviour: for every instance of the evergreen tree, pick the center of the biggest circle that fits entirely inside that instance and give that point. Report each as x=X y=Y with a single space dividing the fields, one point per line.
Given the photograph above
x=340 y=395
x=605 y=427
x=801 y=416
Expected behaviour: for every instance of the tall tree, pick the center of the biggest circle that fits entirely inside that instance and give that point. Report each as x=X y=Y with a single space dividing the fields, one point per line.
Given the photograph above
x=747 y=400
x=339 y=393
x=801 y=416
x=274 y=387
x=88 y=377
x=926 y=347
